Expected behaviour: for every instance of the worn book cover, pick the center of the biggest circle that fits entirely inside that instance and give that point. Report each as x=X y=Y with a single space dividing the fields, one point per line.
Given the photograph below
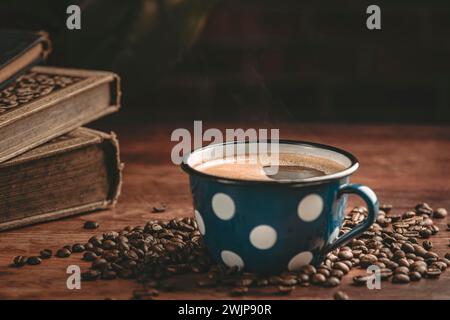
x=48 y=102
x=19 y=51
x=74 y=173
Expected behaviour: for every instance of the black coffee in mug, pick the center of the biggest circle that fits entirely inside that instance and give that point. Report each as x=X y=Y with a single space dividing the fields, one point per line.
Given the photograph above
x=291 y=166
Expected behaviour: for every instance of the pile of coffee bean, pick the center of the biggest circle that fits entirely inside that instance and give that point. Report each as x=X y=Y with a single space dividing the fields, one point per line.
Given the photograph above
x=398 y=245
x=31 y=86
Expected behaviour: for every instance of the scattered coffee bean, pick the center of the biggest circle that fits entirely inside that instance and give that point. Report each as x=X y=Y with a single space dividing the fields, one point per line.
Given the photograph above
x=415 y=276
x=159 y=209
x=386 y=207
x=34 y=260
x=153 y=253
x=400 y=278
x=440 y=213
x=360 y=280
x=78 y=247
x=239 y=291
x=90 y=275
x=401 y=270
x=285 y=289
x=425 y=233
x=63 y=253
x=108 y=275
x=340 y=295
x=433 y=273
x=345 y=255
x=427 y=244
x=332 y=282
x=46 y=254
x=89 y=256
x=318 y=278
x=341 y=266
x=91 y=225
x=424 y=208
x=407 y=247
x=207 y=283
x=20 y=261
x=145 y=293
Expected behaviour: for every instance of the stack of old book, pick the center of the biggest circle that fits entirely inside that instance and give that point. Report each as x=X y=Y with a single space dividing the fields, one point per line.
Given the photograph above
x=50 y=166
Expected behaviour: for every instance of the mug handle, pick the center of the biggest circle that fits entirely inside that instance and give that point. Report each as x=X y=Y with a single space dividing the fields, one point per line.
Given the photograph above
x=370 y=199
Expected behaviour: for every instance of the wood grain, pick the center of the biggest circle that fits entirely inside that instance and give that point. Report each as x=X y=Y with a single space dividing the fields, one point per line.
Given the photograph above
x=403 y=164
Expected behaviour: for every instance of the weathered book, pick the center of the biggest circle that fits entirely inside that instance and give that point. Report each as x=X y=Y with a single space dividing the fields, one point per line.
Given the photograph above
x=20 y=50
x=75 y=173
x=48 y=102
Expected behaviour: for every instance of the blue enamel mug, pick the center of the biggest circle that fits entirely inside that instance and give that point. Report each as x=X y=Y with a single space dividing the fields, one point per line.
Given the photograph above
x=276 y=225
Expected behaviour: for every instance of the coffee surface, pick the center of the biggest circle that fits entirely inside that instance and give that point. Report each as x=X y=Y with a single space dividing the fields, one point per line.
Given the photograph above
x=291 y=167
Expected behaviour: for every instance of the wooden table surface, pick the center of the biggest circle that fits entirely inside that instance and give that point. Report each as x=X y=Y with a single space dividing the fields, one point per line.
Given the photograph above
x=404 y=164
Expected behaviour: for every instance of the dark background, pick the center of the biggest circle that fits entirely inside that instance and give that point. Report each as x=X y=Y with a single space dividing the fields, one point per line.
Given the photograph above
x=289 y=60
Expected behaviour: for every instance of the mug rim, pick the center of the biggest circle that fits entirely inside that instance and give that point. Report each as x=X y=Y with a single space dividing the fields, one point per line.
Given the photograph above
x=334 y=176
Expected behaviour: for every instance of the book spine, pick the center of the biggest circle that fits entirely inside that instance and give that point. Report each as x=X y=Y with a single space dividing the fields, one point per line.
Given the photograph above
x=110 y=145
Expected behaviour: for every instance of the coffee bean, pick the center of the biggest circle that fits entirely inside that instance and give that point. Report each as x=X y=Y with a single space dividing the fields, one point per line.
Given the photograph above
x=345 y=255
x=108 y=244
x=239 y=291
x=303 y=278
x=332 y=282
x=33 y=260
x=46 y=254
x=90 y=275
x=360 y=280
x=308 y=269
x=419 y=250
x=89 y=256
x=284 y=290
x=20 y=261
x=400 y=278
x=415 y=276
x=431 y=254
x=207 y=283
x=403 y=262
x=368 y=260
x=385 y=273
x=398 y=254
x=424 y=208
x=439 y=265
x=433 y=273
x=108 y=275
x=425 y=233
x=337 y=273
x=391 y=265
x=143 y=294
x=78 y=247
x=340 y=295
x=428 y=245
x=91 y=225
x=63 y=253
x=440 y=213
x=341 y=266
x=324 y=271
x=318 y=278
x=98 y=251
x=99 y=264
x=407 y=248
x=403 y=270
x=159 y=209
x=386 y=207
